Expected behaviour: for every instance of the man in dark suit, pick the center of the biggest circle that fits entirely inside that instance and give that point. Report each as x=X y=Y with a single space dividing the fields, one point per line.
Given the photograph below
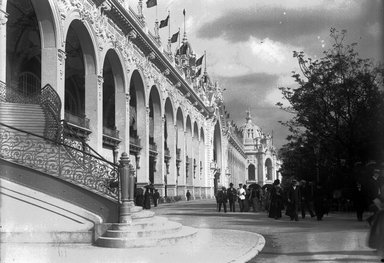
x=232 y=197
x=293 y=201
x=306 y=199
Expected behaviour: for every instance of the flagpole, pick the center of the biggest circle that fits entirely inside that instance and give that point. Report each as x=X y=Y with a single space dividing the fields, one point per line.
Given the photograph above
x=179 y=38
x=205 y=57
x=169 y=25
x=169 y=33
x=185 y=33
x=157 y=27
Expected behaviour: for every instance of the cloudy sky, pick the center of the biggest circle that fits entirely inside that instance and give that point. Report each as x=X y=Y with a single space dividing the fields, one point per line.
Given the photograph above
x=249 y=44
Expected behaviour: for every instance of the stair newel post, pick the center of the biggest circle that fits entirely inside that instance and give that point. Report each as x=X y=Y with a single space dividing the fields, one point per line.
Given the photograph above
x=126 y=200
x=131 y=185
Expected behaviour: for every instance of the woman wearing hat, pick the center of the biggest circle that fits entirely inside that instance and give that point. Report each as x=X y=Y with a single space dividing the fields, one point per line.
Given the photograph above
x=276 y=200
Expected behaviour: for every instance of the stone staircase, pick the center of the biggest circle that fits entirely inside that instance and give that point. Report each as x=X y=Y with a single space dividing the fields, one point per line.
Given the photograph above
x=27 y=117
x=146 y=230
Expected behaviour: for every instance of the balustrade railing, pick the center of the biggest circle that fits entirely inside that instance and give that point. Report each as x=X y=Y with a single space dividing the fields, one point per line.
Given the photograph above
x=153 y=147
x=167 y=152
x=178 y=154
x=65 y=160
x=135 y=141
x=114 y=133
x=80 y=121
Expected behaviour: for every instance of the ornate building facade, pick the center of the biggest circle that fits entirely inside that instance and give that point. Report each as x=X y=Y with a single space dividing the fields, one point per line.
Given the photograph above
x=110 y=87
x=262 y=162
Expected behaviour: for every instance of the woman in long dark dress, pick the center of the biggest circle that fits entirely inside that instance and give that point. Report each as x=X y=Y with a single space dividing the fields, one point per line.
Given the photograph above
x=147 y=199
x=276 y=200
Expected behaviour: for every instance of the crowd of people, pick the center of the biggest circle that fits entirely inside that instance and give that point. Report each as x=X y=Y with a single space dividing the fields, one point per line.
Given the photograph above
x=143 y=197
x=302 y=197
x=299 y=199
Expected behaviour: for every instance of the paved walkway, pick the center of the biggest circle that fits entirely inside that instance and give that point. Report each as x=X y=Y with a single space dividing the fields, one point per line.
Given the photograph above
x=338 y=238
x=230 y=237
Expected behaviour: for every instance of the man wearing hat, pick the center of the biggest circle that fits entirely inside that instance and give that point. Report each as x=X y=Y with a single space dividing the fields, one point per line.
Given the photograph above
x=293 y=201
x=232 y=196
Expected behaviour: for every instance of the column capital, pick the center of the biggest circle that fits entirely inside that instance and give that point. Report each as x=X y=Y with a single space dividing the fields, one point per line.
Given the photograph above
x=61 y=55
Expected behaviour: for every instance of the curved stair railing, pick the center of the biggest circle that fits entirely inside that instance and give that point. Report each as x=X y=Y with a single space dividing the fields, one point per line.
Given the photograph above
x=51 y=104
x=60 y=160
x=58 y=153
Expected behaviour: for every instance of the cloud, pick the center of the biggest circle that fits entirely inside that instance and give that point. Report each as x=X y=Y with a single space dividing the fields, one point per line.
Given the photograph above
x=268 y=50
x=250 y=89
x=292 y=25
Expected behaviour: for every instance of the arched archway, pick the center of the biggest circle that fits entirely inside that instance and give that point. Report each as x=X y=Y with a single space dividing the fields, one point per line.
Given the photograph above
x=81 y=99
x=217 y=156
x=137 y=127
x=268 y=169
x=155 y=138
x=180 y=153
x=189 y=155
x=113 y=104
x=170 y=150
x=23 y=50
x=251 y=172
x=202 y=164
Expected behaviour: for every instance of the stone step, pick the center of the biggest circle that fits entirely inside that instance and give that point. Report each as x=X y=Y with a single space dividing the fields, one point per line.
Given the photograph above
x=149 y=231
x=28 y=117
x=155 y=221
x=183 y=235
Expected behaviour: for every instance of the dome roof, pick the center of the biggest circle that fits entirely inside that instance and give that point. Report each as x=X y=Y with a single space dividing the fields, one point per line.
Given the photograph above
x=250 y=125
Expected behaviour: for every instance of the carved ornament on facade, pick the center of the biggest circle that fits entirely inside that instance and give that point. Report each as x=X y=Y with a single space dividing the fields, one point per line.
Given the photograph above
x=151 y=55
x=3 y=17
x=127 y=98
x=61 y=56
x=166 y=72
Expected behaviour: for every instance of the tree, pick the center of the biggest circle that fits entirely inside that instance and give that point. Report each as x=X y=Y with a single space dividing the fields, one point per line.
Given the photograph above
x=338 y=107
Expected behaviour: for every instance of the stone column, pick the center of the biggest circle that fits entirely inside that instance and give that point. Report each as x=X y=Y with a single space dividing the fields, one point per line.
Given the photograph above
x=94 y=109
x=127 y=188
x=53 y=71
x=181 y=179
x=123 y=113
x=159 y=139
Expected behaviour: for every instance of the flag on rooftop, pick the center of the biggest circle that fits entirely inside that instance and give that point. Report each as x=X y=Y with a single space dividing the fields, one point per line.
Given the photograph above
x=199 y=61
x=164 y=23
x=151 y=3
x=198 y=73
x=175 y=37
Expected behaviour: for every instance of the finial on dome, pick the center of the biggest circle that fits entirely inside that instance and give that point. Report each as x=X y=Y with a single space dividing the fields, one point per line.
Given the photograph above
x=249 y=117
x=185 y=32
